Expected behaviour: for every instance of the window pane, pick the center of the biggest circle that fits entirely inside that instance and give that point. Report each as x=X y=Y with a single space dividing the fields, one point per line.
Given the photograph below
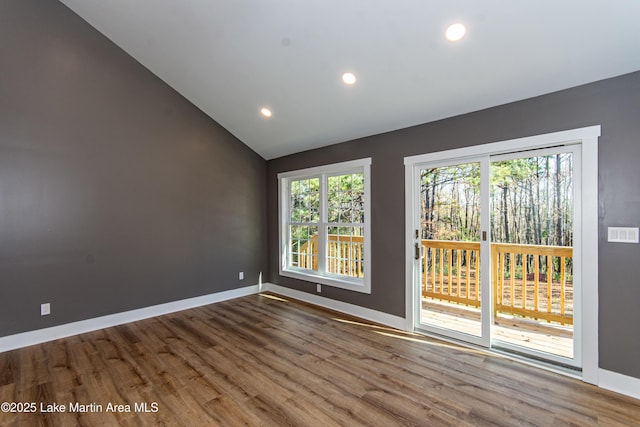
x=346 y=198
x=345 y=251
x=304 y=247
x=304 y=200
x=314 y=207
x=333 y=210
x=334 y=184
x=358 y=183
x=293 y=201
x=357 y=211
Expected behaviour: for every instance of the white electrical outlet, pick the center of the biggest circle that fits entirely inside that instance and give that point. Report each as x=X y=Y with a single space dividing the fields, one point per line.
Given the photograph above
x=45 y=309
x=241 y=275
x=318 y=287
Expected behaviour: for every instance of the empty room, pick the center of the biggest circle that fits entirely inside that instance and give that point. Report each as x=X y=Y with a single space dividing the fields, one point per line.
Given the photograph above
x=319 y=213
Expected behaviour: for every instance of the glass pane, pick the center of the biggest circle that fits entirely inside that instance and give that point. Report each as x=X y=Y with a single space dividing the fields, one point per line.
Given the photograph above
x=334 y=210
x=532 y=200
x=532 y=237
x=304 y=200
x=345 y=251
x=314 y=207
x=346 y=198
x=450 y=228
x=294 y=214
x=303 y=247
x=450 y=200
x=357 y=211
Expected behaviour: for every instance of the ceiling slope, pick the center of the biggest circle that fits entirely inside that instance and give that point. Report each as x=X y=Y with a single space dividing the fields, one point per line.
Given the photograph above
x=233 y=57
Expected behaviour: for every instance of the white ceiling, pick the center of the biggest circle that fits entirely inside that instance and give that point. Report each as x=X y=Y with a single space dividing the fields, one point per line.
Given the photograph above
x=232 y=57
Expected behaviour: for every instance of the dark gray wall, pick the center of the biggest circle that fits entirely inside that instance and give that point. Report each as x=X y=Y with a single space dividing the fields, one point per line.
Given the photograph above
x=613 y=103
x=115 y=192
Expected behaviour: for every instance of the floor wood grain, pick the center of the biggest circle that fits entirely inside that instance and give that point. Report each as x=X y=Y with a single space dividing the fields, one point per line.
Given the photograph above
x=263 y=360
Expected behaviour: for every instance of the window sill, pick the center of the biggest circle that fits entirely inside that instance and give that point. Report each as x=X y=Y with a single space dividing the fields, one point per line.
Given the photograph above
x=357 y=285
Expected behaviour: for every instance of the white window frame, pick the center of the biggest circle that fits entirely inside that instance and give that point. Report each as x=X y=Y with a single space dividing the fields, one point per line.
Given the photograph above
x=321 y=276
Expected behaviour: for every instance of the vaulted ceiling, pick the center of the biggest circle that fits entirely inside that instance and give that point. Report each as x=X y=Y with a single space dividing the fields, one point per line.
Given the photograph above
x=231 y=58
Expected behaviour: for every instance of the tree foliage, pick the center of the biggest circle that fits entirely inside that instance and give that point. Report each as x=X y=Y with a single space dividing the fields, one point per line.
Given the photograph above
x=531 y=201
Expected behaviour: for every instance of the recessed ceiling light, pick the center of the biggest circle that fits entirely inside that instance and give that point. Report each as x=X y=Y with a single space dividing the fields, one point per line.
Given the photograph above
x=455 y=32
x=349 y=78
x=266 y=112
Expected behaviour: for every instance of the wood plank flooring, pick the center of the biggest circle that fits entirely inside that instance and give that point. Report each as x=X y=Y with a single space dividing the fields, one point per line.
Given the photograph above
x=266 y=361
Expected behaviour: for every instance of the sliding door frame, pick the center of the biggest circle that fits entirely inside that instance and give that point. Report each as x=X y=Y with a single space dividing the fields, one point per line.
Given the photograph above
x=485 y=253
x=588 y=139
x=575 y=150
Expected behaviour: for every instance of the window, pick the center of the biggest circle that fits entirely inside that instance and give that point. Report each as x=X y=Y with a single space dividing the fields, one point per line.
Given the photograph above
x=324 y=225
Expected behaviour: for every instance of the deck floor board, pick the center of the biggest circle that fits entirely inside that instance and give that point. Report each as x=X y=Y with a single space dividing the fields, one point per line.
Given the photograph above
x=538 y=335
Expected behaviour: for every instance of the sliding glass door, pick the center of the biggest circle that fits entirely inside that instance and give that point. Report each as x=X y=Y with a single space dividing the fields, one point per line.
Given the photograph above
x=495 y=258
x=448 y=245
x=533 y=217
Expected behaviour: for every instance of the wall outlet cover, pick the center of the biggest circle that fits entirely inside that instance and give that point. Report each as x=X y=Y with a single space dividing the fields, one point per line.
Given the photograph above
x=45 y=309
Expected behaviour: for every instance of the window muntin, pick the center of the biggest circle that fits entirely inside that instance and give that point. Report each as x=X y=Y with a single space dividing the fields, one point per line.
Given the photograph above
x=325 y=225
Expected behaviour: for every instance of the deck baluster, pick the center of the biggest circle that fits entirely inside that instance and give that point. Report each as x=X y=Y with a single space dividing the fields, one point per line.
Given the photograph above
x=504 y=256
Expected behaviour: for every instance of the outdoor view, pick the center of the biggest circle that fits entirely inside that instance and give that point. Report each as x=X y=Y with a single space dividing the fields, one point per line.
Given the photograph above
x=531 y=211
x=344 y=226
x=530 y=201
x=304 y=213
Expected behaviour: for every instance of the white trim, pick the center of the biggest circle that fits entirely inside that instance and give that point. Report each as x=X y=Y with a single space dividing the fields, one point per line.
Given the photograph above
x=538 y=152
x=619 y=383
x=578 y=260
x=589 y=235
x=517 y=144
x=328 y=169
x=587 y=137
x=342 y=307
x=486 y=312
x=25 y=339
x=320 y=276
x=411 y=270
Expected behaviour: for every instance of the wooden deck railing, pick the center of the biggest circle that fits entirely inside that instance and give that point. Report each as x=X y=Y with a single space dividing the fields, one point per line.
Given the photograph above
x=451 y=271
x=528 y=280
x=345 y=255
x=533 y=281
x=308 y=254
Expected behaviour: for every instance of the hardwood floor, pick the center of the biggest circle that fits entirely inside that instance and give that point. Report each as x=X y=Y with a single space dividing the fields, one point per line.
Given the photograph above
x=266 y=361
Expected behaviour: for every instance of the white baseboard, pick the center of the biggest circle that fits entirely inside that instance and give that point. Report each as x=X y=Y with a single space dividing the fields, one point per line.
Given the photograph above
x=609 y=380
x=25 y=339
x=619 y=383
x=343 y=307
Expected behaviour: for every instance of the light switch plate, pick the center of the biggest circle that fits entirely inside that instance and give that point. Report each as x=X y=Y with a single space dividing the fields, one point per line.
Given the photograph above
x=623 y=234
